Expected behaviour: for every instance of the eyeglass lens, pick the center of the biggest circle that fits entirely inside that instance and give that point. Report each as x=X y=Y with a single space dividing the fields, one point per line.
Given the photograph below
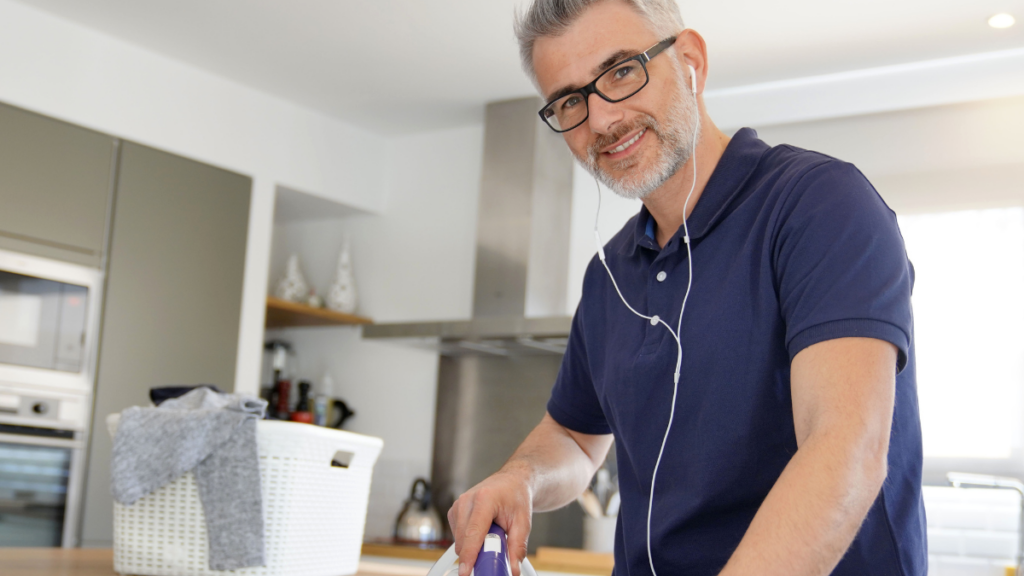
x=614 y=85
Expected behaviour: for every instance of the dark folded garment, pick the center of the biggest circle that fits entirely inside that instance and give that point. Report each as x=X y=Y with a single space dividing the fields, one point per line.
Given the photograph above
x=161 y=393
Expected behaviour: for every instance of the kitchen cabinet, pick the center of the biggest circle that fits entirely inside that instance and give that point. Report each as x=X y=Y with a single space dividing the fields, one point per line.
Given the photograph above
x=173 y=295
x=55 y=187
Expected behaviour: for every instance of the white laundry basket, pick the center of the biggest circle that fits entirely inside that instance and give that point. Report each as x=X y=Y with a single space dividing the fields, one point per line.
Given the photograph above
x=313 y=512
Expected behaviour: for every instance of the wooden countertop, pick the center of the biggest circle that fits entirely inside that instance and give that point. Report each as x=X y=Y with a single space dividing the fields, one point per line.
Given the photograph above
x=57 y=562
x=100 y=561
x=547 y=559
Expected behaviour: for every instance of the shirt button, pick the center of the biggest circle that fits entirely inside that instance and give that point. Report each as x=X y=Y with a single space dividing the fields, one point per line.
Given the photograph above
x=661 y=276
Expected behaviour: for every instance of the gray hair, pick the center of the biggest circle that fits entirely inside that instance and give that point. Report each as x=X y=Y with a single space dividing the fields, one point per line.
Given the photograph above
x=553 y=17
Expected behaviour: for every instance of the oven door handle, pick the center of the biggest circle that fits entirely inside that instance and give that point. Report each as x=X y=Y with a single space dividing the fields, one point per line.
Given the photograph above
x=41 y=441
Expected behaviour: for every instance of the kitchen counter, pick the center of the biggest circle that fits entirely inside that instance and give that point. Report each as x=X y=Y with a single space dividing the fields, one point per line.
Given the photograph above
x=100 y=562
x=378 y=560
x=57 y=562
x=554 y=561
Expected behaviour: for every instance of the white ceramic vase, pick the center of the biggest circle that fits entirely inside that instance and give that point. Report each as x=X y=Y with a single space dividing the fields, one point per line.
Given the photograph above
x=342 y=294
x=293 y=285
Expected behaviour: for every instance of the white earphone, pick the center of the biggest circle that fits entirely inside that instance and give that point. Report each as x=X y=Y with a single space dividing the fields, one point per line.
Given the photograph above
x=655 y=319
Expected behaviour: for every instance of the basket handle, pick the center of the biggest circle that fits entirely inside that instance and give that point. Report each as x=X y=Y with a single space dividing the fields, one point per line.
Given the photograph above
x=341 y=459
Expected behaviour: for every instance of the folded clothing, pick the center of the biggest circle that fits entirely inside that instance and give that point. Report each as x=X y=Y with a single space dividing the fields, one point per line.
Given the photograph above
x=213 y=435
x=161 y=394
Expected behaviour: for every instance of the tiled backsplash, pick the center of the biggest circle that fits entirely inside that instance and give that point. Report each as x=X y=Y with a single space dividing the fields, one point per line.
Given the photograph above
x=971 y=531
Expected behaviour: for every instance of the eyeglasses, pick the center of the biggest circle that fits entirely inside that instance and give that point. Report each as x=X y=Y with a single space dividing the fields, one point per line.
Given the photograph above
x=613 y=85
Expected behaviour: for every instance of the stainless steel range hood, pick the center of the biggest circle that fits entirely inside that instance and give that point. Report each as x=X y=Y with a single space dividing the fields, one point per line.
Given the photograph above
x=522 y=245
x=496 y=369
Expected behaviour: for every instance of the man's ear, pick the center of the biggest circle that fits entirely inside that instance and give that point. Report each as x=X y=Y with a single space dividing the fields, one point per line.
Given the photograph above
x=692 y=51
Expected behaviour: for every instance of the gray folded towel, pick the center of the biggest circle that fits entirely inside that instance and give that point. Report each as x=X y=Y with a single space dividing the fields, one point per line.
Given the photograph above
x=214 y=435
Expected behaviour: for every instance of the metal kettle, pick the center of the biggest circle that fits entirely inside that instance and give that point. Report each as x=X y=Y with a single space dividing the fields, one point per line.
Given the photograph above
x=419 y=521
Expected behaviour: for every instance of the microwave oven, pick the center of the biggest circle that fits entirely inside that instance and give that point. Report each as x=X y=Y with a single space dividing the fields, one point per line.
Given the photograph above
x=48 y=322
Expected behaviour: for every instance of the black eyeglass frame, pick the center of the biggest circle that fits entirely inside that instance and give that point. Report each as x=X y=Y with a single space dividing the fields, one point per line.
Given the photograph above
x=643 y=58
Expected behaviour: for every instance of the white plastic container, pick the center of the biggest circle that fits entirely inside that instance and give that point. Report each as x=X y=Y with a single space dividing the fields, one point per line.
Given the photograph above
x=313 y=512
x=599 y=533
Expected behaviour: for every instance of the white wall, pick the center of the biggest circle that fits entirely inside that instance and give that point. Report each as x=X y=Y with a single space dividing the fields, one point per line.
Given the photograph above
x=955 y=156
x=415 y=263
x=615 y=211
x=70 y=72
x=854 y=93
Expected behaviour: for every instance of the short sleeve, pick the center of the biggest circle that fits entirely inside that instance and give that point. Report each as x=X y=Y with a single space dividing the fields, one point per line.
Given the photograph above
x=574 y=402
x=840 y=263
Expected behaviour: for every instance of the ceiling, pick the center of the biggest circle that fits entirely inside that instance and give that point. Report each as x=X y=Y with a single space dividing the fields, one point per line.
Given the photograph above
x=401 y=66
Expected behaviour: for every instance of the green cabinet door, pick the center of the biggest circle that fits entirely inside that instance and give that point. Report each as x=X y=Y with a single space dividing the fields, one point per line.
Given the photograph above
x=174 y=295
x=54 y=187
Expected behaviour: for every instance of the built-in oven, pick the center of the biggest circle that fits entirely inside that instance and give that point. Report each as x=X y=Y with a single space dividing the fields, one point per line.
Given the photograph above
x=39 y=491
x=49 y=317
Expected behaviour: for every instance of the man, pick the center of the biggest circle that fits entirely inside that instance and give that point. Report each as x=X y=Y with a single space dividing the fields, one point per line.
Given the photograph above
x=795 y=443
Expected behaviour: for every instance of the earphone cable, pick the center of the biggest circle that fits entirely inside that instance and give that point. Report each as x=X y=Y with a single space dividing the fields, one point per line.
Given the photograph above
x=676 y=334
x=679 y=357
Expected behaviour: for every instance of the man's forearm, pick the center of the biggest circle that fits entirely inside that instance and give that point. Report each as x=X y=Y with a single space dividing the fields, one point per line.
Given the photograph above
x=811 y=516
x=555 y=465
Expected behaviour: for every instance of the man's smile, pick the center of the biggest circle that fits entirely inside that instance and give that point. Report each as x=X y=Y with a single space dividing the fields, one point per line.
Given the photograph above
x=625 y=146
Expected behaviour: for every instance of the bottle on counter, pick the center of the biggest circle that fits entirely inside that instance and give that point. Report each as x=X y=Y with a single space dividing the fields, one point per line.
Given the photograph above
x=320 y=410
x=276 y=396
x=284 y=392
x=302 y=412
x=322 y=403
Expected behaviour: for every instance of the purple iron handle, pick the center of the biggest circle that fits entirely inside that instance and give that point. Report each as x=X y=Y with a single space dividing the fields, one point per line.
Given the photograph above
x=491 y=561
x=493 y=558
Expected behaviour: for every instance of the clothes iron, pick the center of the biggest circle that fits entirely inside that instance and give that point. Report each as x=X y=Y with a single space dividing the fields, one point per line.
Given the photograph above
x=492 y=560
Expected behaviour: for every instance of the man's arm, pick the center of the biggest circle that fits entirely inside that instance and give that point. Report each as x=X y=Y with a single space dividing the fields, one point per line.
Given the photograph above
x=548 y=470
x=843 y=392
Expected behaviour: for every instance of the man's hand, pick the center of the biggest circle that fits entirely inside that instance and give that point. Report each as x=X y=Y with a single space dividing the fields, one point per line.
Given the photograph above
x=504 y=498
x=548 y=470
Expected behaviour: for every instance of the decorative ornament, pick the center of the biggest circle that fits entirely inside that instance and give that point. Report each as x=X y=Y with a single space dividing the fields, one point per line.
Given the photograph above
x=342 y=294
x=314 y=300
x=293 y=286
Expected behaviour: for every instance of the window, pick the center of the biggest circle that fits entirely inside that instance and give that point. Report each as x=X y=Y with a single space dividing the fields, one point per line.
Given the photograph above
x=969 y=335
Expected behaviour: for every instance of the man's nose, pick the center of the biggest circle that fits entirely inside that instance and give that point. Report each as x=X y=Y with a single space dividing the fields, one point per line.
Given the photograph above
x=602 y=115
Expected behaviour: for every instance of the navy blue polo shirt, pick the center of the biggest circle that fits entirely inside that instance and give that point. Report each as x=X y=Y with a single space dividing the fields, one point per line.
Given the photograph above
x=790 y=248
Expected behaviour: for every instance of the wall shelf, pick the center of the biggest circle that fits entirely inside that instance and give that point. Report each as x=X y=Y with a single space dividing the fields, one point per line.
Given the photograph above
x=285 y=314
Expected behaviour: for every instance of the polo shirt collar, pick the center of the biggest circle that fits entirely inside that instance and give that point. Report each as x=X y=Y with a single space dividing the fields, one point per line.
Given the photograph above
x=734 y=168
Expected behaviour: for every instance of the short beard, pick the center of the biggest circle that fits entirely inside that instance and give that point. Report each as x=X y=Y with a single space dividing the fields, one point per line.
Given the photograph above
x=677 y=136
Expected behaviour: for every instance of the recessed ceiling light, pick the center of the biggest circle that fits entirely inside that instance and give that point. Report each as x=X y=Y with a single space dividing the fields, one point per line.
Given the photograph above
x=1003 y=20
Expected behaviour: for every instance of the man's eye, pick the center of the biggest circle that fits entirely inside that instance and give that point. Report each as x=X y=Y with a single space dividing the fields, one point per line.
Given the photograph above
x=625 y=72
x=571 y=102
